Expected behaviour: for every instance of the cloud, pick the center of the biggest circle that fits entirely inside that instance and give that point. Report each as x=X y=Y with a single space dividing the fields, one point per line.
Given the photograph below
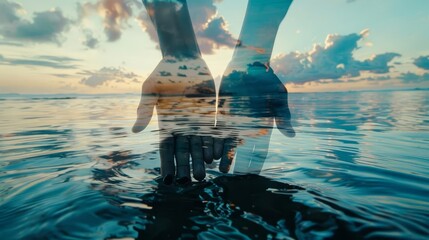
x=210 y=29
x=422 y=62
x=90 y=41
x=56 y=62
x=215 y=36
x=410 y=77
x=45 y=26
x=333 y=60
x=115 y=14
x=371 y=79
x=11 y=44
x=62 y=75
x=107 y=75
x=147 y=26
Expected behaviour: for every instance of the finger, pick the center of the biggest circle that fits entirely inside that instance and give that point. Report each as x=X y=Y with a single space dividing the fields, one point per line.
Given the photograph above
x=208 y=149
x=183 y=170
x=198 y=168
x=217 y=148
x=283 y=122
x=285 y=127
x=145 y=109
x=283 y=116
x=166 y=149
x=227 y=155
x=259 y=154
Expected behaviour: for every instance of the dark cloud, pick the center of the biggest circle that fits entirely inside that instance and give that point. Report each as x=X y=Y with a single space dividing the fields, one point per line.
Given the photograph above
x=60 y=75
x=90 y=41
x=210 y=29
x=56 y=62
x=422 y=62
x=9 y=12
x=410 y=77
x=371 y=79
x=377 y=64
x=107 y=75
x=11 y=44
x=115 y=14
x=147 y=26
x=61 y=59
x=45 y=26
x=215 y=36
x=333 y=60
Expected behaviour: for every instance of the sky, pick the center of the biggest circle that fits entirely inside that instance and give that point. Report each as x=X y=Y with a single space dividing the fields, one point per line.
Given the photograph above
x=110 y=46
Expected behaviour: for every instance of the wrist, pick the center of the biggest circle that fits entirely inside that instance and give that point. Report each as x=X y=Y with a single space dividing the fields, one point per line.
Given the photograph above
x=174 y=28
x=272 y=11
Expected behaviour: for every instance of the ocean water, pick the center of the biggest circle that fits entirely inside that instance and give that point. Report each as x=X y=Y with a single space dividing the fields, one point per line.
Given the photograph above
x=70 y=168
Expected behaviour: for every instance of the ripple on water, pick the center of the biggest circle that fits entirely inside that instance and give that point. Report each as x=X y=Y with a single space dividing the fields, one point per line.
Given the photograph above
x=356 y=169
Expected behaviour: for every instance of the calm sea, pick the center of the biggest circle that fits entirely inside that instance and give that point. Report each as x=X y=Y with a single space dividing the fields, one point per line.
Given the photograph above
x=70 y=168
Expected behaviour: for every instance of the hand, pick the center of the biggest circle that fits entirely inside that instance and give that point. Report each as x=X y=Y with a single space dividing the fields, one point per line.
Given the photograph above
x=183 y=91
x=251 y=98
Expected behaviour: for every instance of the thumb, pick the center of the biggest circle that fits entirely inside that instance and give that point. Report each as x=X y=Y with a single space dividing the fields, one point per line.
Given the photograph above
x=283 y=118
x=145 y=109
x=285 y=126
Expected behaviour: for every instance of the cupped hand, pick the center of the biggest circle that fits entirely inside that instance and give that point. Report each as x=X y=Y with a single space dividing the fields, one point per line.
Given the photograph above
x=183 y=93
x=251 y=98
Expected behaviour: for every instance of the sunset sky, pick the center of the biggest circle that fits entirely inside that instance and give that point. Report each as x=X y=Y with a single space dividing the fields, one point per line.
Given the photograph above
x=109 y=46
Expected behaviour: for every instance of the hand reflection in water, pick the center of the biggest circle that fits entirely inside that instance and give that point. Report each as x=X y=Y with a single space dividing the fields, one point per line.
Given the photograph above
x=183 y=91
x=251 y=96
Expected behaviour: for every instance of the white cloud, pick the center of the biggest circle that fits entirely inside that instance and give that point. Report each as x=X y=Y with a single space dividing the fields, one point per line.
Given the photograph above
x=47 y=26
x=115 y=14
x=210 y=29
x=108 y=75
x=333 y=60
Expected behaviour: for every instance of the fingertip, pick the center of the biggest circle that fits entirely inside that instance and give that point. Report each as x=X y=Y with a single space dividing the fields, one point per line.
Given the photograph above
x=137 y=129
x=224 y=168
x=227 y=155
x=288 y=131
x=199 y=175
x=168 y=180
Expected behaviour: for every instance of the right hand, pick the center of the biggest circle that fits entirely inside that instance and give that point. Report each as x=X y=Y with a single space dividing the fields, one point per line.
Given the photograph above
x=251 y=98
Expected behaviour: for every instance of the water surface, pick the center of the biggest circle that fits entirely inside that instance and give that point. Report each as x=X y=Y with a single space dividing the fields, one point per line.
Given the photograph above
x=70 y=168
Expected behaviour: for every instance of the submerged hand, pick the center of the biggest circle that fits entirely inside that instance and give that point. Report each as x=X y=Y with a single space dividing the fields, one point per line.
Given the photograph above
x=183 y=92
x=251 y=98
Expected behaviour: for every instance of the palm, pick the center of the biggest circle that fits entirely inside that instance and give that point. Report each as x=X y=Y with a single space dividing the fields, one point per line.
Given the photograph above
x=184 y=95
x=250 y=99
x=183 y=92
